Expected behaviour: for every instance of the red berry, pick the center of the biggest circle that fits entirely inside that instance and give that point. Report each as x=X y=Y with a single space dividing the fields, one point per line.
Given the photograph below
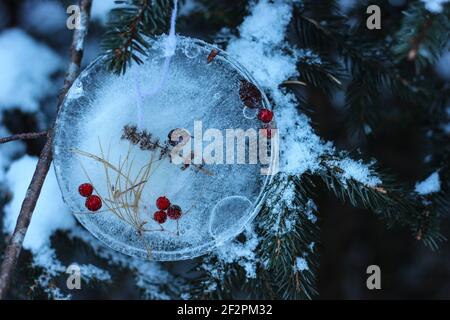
x=250 y=94
x=160 y=217
x=265 y=115
x=93 y=203
x=162 y=203
x=85 y=189
x=174 y=212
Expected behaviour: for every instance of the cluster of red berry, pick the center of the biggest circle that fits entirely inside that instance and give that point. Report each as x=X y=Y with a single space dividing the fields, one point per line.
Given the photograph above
x=252 y=98
x=166 y=209
x=93 y=203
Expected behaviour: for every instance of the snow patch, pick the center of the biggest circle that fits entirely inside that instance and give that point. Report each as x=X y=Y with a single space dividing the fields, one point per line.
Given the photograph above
x=51 y=213
x=100 y=10
x=311 y=207
x=149 y=276
x=26 y=67
x=34 y=15
x=435 y=6
x=243 y=254
x=430 y=185
x=300 y=264
x=263 y=49
x=356 y=170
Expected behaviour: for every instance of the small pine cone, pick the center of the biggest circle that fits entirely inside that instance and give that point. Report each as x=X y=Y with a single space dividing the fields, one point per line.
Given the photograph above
x=131 y=134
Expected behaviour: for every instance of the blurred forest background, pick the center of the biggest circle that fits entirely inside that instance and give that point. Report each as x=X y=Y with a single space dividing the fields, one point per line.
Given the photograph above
x=352 y=239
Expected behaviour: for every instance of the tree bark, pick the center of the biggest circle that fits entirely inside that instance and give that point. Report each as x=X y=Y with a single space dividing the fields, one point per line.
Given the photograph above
x=24 y=136
x=14 y=247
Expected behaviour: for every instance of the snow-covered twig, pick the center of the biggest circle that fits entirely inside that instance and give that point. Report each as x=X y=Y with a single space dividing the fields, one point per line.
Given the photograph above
x=14 y=247
x=24 y=136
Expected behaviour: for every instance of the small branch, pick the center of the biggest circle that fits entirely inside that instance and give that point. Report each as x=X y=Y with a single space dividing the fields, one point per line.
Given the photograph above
x=128 y=29
x=24 y=136
x=417 y=42
x=14 y=247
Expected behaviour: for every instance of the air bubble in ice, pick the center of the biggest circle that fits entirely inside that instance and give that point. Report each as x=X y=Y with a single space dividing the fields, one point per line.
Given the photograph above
x=228 y=215
x=78 y=90
x=191 y=51
x=250 y=113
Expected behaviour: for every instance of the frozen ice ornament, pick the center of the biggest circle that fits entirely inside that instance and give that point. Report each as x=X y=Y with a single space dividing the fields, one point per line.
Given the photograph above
x=151 y=162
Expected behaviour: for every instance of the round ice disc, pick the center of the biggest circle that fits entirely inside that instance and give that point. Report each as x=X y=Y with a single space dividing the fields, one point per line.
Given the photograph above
x=113 y=132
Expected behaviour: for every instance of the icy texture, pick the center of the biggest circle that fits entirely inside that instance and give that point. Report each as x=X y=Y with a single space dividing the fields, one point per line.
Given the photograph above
x=100 y=104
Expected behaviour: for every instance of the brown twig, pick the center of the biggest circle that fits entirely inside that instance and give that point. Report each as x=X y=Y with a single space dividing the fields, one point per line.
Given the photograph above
x=34 y=189
x=24 y=136
x=417 y=41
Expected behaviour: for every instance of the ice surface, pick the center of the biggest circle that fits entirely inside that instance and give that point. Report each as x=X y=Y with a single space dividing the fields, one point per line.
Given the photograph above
x=217 y=200
x=228 y=214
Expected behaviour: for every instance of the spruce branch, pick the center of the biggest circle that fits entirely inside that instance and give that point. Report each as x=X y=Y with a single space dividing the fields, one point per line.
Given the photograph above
x=325 y=74
x=391 y=201
x=287 y=225
x=287 y=234
x=368 y=60
x=129 y=25
x=14 y=247
x=422 y=35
